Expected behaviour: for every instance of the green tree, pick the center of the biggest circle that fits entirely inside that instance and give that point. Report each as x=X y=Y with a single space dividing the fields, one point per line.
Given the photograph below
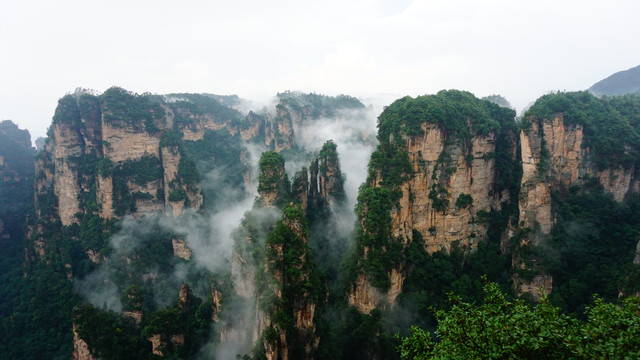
x=503 y=329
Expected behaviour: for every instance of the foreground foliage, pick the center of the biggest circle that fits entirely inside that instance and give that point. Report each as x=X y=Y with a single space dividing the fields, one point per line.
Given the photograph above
x=500 y=328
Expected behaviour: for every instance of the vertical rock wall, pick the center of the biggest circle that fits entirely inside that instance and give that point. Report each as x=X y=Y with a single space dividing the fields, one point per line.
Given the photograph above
x=554 y=157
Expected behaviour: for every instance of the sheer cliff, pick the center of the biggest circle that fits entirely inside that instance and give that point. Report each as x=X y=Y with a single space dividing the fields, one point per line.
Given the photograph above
x=273 y=270
x=443 y=163
x=160 y=211
x=460 y=177
x=112 y=187
x=573 y=145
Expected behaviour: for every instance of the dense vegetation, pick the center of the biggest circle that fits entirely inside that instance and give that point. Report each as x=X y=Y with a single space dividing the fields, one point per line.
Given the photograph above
x=319 y=105
x=112 y=335
x=610 y=124
x=188 y=107
x=591 y=247
x=290 y=264
x=44 y=297
x=126 y=109
x=299 y=257
x=501 y=328
x=273 y=179
x=452 y=109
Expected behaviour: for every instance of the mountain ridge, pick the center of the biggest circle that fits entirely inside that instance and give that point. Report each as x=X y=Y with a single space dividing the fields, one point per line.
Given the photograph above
x=620 y=83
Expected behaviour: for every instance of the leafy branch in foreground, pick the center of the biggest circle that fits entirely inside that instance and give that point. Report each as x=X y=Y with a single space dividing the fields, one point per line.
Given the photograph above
x=503 y=329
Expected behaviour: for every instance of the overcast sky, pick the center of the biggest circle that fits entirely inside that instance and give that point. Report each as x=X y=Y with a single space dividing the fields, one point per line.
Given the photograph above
x=365 y=48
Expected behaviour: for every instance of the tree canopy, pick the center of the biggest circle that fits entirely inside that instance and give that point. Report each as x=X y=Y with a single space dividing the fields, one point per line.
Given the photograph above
x=500 y=328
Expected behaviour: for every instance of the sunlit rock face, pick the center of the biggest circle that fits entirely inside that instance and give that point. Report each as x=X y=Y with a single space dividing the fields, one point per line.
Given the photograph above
x=448 y=180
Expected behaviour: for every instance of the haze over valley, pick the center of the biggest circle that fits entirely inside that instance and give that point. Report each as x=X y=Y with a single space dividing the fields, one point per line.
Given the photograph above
x=294 y=180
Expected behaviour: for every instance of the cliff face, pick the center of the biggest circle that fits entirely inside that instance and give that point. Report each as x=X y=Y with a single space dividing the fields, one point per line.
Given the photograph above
x=100 y=143
x=556 y=158
x=120 y=153
x=471 y=173
x=428 y=203
x=245 y=329
x=16 y=176
x=66 y=184
x=273 y=273
x=436 y=184
x=80 y=348
x=451 y=177
x=291 y=322
x=295 y=110
x=552 y=157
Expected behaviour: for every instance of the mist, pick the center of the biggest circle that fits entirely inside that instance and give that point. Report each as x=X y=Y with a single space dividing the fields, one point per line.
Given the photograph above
x=208 y=236
x=354 y=132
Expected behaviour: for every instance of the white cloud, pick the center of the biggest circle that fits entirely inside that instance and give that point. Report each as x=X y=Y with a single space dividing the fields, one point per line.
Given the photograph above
x=517 y=48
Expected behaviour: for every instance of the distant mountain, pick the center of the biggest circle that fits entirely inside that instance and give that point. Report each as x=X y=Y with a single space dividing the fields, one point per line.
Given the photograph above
x=620 y=83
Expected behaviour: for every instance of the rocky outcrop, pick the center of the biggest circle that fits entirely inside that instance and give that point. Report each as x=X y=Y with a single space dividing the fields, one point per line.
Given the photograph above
x=432 y=179
x=156 y=344
x=171 y=341
x=264 y=283
x=244 y=327
x=255 y=128
x=366 y=297
x=243 y=274
x=67 y=145
x=272 y=185
x=442 y=173
x=323 y=184
x=80 y=348
x=136 y=316
x=280 y=134
x=300 y=188
x=331 y=178
x=540 y=285
x=549 y=146
x=295 y=111
x=99 y=148
x=464 y=172
x=88 y=129
x=620 y=182
x=181 y=249
x=554 y=156
x=290 y=272
x=184 y=296
x=216 y=304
